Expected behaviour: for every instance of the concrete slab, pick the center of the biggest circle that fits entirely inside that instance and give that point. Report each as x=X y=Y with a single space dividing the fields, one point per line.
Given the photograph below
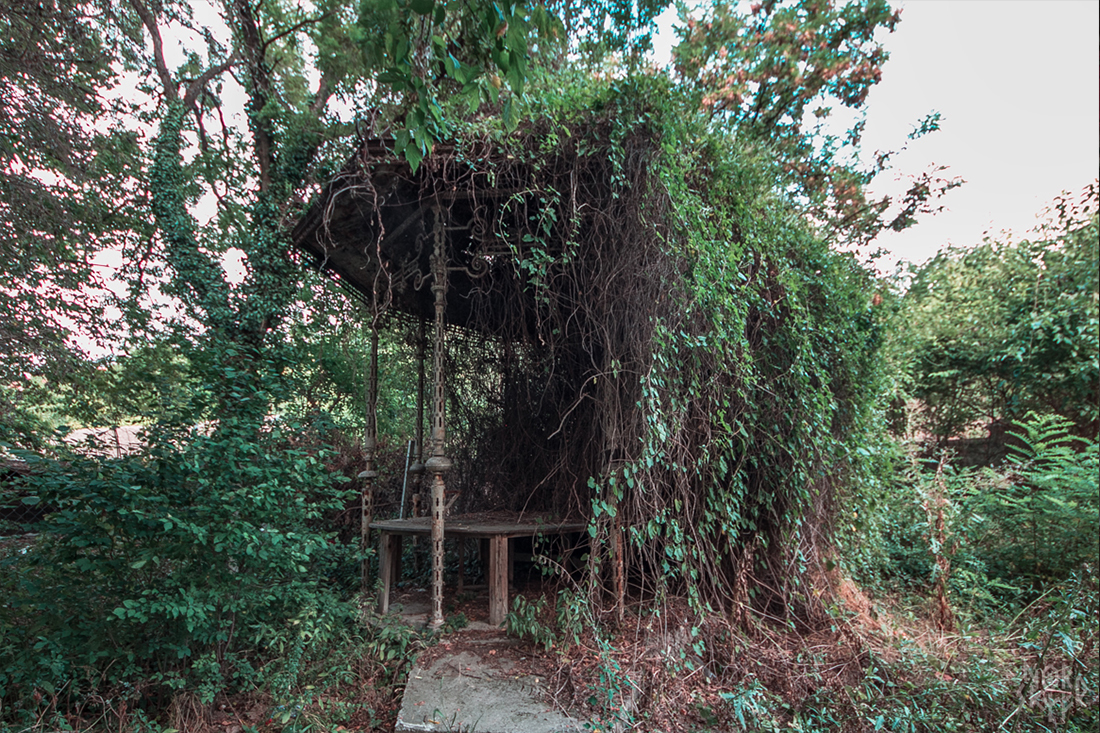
x=414 y=607
x=477 y=693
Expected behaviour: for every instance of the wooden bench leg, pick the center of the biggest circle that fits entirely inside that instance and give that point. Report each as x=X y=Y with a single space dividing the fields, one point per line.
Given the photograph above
x=389 y=568
x=511 y=563
x=395 y=558
x=498 y=580
x=461 y=565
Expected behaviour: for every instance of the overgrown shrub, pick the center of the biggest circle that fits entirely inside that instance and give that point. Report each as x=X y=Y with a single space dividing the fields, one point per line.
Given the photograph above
x=1018 y=528
x=986 y=333
x=654 y=339
x=177 y=567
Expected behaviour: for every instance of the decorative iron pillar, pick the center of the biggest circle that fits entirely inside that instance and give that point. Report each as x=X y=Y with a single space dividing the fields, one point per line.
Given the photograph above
x=370 y=443
x=438 y=464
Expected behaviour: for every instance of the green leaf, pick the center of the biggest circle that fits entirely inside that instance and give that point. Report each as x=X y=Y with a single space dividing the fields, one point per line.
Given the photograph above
x=471 y=94
x=424 y=7
x=414 y=156
x=516 y=72
x=401 y=141
x=398 y=81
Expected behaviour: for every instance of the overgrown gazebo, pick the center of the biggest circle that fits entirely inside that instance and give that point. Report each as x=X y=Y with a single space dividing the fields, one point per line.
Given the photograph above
x=475 y=246
x=642 y=351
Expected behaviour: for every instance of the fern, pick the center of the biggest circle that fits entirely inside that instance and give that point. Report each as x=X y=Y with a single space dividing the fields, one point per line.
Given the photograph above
x=1043 y=438
x=1046 y=516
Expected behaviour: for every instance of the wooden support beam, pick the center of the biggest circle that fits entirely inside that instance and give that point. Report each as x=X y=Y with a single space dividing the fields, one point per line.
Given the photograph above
x=389 y=568
x=498 y=580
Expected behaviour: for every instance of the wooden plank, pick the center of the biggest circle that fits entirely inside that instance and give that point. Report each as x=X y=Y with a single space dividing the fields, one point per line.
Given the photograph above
x=395 y=560
x=389 y=559
x=461 y=564
x=384 y=579
x=457 y=527
x=498 y=580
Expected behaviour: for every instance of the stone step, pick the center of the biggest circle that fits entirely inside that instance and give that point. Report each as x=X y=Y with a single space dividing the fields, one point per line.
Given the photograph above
x=479 y=691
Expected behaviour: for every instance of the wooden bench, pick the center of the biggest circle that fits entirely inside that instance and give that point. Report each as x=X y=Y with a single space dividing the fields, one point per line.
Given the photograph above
x=497 y=532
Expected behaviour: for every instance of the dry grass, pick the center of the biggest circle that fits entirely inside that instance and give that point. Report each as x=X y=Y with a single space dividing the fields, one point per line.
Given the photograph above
x=668 y=670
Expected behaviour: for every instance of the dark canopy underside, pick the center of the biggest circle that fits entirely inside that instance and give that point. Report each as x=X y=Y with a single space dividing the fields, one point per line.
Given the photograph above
x=374 y=231
x=555 y=281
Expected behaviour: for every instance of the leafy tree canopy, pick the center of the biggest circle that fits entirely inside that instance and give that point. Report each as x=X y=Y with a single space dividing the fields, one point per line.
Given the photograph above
x=992 y=331
x=777 y=74
x=66 y=185
x=308 y=80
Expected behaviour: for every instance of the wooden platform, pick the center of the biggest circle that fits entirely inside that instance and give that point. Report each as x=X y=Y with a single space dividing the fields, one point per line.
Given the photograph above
x=496 y=529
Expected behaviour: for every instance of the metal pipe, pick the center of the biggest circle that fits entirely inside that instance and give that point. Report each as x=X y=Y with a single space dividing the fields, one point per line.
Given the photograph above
x=405 y=483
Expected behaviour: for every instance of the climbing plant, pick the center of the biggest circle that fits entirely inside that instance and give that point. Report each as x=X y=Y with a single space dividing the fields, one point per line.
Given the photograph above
x=687 y=362
x=660 y=343
x=185 y=561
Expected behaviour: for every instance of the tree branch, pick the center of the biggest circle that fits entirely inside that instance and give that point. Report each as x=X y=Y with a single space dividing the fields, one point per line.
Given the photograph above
x=258 y=94
x=293 y=29
x=321 y=97
x=196 y=87
x=150 y=23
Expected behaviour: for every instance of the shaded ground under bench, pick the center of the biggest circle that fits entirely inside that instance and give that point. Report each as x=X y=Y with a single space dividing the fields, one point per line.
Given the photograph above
x=497 y=532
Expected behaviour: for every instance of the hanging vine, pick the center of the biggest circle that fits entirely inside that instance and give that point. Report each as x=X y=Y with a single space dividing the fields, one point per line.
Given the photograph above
x=658 y=342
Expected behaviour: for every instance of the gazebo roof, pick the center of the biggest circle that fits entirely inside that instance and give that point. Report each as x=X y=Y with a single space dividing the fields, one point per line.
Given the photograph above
x=372 y=229
x=557 y=273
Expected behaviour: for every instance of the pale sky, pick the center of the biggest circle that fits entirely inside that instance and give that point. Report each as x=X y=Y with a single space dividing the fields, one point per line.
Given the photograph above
x=1016 y=82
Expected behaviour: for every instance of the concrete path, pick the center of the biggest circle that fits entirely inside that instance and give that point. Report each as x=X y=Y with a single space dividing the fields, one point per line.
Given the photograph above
x=478 y=689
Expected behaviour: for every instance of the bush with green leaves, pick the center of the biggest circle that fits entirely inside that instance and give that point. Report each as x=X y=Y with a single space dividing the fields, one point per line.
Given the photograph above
x=1037 y=518
x=986 y=333
x=174 y=567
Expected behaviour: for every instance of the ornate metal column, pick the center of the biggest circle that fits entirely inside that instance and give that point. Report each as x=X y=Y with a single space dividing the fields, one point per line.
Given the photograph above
x=438 y=464
x=370 y=443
